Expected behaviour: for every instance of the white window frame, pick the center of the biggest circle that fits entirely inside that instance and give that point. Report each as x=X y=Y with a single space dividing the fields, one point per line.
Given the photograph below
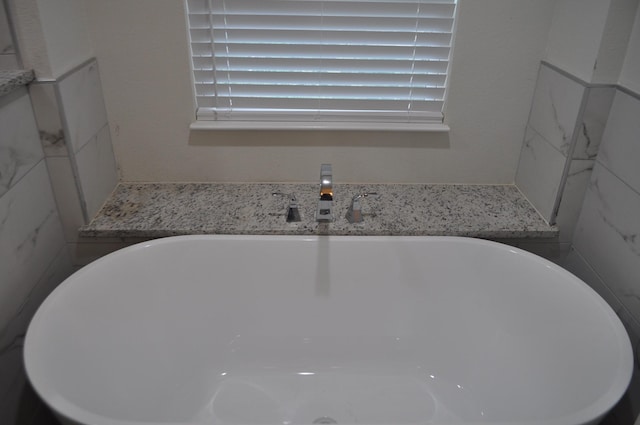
x=426 y=121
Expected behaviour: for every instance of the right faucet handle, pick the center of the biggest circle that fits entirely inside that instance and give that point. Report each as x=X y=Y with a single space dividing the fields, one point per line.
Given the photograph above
x=354 y=213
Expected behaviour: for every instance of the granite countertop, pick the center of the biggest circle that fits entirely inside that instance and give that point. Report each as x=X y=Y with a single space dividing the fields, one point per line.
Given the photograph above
x=152 y=210
x=11 y=80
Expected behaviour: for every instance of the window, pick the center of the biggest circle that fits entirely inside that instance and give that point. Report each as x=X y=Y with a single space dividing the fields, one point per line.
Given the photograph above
x=321 y=60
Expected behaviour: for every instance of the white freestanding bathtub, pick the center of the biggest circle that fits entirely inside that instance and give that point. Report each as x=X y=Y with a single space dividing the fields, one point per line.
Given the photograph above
x=348 y=330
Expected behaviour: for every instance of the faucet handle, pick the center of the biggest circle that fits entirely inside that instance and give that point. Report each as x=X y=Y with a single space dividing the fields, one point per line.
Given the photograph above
x=293 y=213
x=365 y=195
x=354 y=213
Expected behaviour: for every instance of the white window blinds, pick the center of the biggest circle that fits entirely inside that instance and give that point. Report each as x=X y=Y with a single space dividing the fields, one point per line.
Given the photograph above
x=315 y=60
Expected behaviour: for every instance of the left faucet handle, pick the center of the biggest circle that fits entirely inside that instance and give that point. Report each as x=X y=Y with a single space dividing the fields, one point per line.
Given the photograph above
x=293 y=212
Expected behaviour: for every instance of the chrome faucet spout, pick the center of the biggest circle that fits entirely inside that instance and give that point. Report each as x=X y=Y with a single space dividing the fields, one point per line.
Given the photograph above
x=326 y=182
x=324 y=212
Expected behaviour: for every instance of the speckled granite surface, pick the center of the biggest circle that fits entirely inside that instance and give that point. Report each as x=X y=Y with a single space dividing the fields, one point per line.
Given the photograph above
x=11 y=80
x=156 y=210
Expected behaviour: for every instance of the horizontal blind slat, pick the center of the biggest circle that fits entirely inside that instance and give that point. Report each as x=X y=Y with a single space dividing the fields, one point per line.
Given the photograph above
x=298 y=38
x=342 y=8
x=335 y=52
x=318 y=24
x=288 y=37
x=341 y=79
x=323 y=65
x=267 y=103
x=249 y=91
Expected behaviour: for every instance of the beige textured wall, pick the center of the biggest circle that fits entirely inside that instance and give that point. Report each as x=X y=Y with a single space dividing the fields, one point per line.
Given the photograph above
x=52 y=34
x=143 y=55
x=630 y=75
x=588 y=38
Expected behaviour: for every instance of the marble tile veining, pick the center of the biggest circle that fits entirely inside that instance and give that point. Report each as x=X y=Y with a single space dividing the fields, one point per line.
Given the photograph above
x=555 y=108
x=594 y=118
x=572 y=196
x=20 y=147
x=30 y=232
x=138 y=210
x=12 y=80
x=606 y=235
x=47 y=113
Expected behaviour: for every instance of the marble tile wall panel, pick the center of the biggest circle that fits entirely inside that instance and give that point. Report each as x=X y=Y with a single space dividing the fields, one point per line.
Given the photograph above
x=593 y=121
x=607 y=235
x=555 y=108
x=82 y=104
x=66 y=194
x=572 y=197
x=607 y=232
x=577 y=265
x=30 y=237
x=19 y=141
x=47 y=113
x=17 y=402
x=555 y=111
x=60 y=163
x=540 y=172
x=620 y=149
x=97 y=170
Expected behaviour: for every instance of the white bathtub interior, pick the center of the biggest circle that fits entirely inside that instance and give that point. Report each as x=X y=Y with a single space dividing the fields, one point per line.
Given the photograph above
x=292 y=330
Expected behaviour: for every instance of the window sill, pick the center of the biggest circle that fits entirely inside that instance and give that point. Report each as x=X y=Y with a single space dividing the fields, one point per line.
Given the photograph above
x=304 y=125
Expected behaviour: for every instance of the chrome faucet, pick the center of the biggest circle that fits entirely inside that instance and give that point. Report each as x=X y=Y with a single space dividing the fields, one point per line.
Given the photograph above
x=293 y=213
x=354 y=213
x=324 y=212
